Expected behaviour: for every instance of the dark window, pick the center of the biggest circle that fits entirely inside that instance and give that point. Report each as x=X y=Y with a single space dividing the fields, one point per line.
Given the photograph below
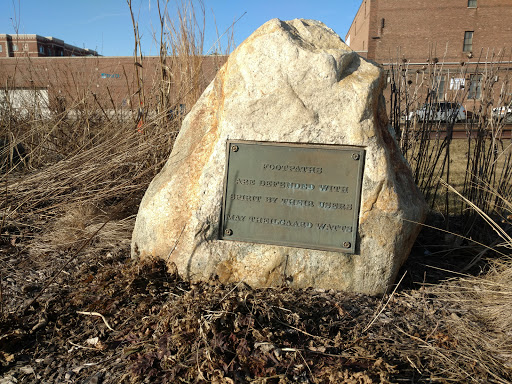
x=471 y=3
x=440 y=84
x=468 y=41
x=475 y=87
x=176 y=111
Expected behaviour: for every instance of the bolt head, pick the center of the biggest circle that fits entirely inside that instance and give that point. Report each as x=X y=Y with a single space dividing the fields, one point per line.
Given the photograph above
x=347 y=244
x=355 y=156
x=234 y=148
x=228 y=232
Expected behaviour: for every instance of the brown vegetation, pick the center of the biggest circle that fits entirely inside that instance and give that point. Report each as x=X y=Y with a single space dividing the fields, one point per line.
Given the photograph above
x=73 y=306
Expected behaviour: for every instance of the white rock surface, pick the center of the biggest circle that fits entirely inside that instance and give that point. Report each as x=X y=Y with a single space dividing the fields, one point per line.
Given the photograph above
x=293 y=82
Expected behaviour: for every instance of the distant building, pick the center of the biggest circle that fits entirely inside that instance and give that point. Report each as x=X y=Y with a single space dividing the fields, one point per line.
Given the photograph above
x=17 y=45
x=466 y=37
x=114 y=83
x=451 y=30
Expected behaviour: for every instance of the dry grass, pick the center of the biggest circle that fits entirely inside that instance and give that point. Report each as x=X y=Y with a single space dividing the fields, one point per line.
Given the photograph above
x=481 y=320
x=429 y=146
x=100 y=181
x=79 y=225
x=94 y=167
x=480 y=324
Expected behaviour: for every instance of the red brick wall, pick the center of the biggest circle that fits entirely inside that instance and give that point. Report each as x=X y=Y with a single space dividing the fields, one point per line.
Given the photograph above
x=28 y=46
x=111 y=80
x=419 y=29
x=415 y=32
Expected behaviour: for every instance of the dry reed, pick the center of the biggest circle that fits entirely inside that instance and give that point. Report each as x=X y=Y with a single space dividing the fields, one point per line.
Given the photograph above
x=428 y=145
x=90 y=161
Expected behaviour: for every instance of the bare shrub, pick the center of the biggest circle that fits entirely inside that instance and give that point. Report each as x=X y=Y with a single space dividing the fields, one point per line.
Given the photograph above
x=90 y=161
x=429 y=145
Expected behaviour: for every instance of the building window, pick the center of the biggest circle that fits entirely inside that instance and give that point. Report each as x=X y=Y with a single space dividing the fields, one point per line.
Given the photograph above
x=468 y=41
x=457 y=83
x=475 y=87
x=471 y=3
x=25 y=46
x=176 y=112
x=440 y=84
x=15 y=47
x=41 y=49
x=0 y=47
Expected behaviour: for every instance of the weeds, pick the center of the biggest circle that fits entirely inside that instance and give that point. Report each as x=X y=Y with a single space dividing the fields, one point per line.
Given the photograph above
x=89 y=153
x=429 y=144
x=482 y=322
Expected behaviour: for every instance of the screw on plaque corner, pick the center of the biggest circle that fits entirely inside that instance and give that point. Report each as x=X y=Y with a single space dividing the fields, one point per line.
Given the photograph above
x=356 y=156
x=347 y=244
x=228 y=232
x=234 y=148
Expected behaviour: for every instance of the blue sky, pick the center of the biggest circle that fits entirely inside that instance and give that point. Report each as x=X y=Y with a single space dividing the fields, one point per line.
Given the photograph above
x=105 y=25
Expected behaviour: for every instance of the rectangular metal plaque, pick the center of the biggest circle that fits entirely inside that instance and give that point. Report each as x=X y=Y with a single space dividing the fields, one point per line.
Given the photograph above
x=295 y=195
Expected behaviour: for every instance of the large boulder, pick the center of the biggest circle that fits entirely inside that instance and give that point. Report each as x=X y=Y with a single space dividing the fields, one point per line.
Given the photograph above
x=289 y=82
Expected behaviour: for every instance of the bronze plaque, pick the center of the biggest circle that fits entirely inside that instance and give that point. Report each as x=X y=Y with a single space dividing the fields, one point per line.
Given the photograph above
x=297 y=195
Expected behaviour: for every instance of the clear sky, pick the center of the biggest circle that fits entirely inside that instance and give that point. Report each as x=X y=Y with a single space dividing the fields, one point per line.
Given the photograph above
x=105 y=25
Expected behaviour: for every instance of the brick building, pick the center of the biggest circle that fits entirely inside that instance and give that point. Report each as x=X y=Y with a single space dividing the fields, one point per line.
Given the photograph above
x=467 y=38
x=115 y=84
x=452 y=30
x=17 y=45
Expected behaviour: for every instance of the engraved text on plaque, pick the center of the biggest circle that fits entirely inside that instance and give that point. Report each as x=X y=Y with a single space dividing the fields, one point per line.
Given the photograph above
x=295 y=195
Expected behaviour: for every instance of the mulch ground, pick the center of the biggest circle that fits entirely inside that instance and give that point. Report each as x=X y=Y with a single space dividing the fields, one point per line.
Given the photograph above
x=106 y=319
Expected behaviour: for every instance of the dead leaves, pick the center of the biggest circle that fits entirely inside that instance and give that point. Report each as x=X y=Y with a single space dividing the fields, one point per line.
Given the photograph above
x=167 y=330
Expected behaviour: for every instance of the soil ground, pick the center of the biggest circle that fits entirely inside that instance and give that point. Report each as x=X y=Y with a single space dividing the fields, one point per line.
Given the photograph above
x=95 y=316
